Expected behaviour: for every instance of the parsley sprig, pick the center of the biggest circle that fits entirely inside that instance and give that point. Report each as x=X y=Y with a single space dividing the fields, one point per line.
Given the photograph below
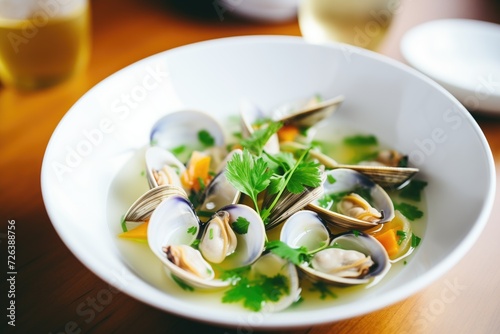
x=256 y=170
x=248 y=174
x=253 y=290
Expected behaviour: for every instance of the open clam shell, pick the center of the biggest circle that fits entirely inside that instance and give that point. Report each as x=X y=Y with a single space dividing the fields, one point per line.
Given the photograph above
x=306 y=114
x=271 y=265
x=175 y=224
x=306 y=229
x=346 y=181
x=159 y=160
x=174 y=227
x=182 y=129
x=250 y=244
x=144 y=206
x=385 y=176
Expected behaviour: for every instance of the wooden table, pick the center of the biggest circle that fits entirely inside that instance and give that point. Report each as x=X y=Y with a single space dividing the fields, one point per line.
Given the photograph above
x=51 y=282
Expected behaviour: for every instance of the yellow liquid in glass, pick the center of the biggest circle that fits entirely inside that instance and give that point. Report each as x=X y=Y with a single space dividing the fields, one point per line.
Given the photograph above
x=362 y=23
x=44 y=50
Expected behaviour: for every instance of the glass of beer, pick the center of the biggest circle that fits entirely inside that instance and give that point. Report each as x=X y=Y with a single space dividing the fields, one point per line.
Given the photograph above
x=362 y=23
x=42 y=42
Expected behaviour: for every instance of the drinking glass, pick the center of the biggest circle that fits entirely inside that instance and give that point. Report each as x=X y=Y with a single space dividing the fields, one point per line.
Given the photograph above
x=362 y=23
x=42 y=42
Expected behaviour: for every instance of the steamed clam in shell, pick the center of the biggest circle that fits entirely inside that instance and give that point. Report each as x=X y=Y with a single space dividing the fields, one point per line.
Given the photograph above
x=306 y=114
x=350 y=258
x=183 y=128
x=387 y=176
x=162 y=167
x=174 y=228
x=343 y=205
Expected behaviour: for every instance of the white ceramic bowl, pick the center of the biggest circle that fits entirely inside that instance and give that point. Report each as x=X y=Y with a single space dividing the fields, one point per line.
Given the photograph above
x=91 y=170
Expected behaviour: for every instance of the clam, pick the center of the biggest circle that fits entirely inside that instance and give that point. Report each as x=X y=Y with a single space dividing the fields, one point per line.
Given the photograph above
x=347 y=259
x=219 y=192
x=306 y=114
x=250 y=116
x=183 y=128
x=174 y=228
x=144 y=206
x=271 y=265
x=302 y=115
x=383 y=175
x=219 y=240
x=162 y=167
x=353 y=201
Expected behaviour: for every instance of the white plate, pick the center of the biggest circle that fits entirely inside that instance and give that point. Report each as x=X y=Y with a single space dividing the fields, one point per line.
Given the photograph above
x=92 y=166
x=462 y=55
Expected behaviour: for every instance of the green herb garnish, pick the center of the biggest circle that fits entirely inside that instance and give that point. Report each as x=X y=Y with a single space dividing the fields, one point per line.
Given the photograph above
x=415 y=240
x=184 y=286
x=295 y=255
x=248 y=174
x=409 y=211
x=211 y=233
x=323 y=289
x=361 y=140
x=257 y=291
x=206 y=138
x=192 y=230
x=331 y=179
x=402 y=236
x=255 y=143
x=413 y=190
x=241 y=225
x=178 y=150
x=123 y=223
x=195 y=244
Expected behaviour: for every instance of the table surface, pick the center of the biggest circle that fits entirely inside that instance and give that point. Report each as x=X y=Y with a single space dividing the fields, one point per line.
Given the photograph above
x=51 y=282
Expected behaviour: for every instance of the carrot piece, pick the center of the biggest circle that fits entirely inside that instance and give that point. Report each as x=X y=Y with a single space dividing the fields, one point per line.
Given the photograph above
x=288 y=133
x=389 y=240
x=140 y=232
x=198 y=170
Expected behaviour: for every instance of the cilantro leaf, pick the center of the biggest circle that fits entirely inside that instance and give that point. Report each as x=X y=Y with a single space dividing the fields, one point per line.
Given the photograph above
x=361 y=140
x=192 y=230
x=206 y=138
x=307 y=173
x=413 y=190
x=248 y=174
x=323 y=289
x=256 y=142
x=277 y=183
x=415 y=240
x=295 y=255
x=240 y=225
x=184 y=286
x=409 y=211
x=255 y=292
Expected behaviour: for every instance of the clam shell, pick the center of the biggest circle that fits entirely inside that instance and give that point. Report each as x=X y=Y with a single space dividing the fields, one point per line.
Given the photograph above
x=156 y=158
x=349 y=180
x=181 y=128
x=306 y=115
x=271 y=265
x=144 y=206
x=174 y=222
x=306 y=229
